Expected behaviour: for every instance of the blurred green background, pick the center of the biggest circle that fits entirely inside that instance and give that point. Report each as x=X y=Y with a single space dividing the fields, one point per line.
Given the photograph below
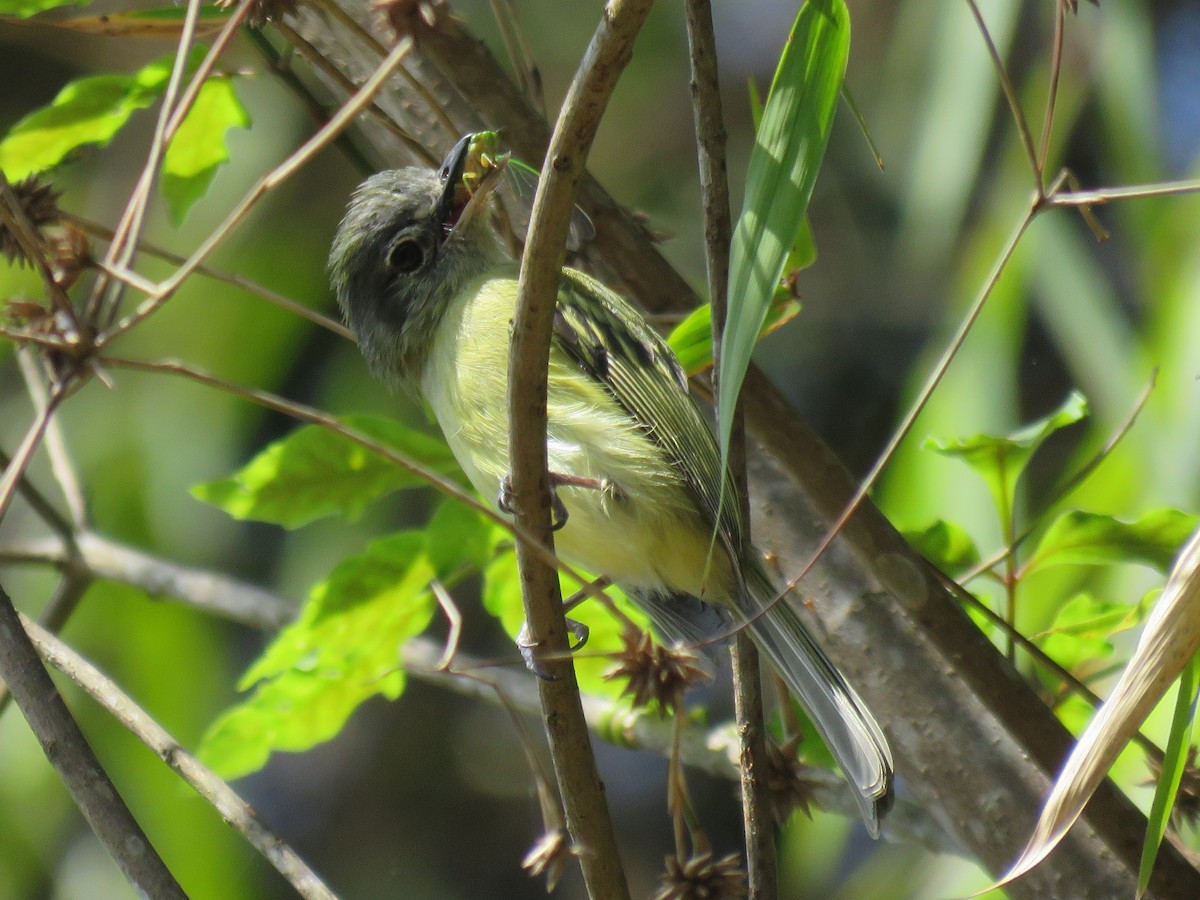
x=428 y=796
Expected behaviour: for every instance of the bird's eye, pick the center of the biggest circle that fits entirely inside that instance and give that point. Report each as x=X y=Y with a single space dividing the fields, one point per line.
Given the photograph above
x=406 y=256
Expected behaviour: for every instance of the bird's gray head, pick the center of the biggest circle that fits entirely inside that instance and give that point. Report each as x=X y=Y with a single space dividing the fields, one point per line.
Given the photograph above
x=402 y=252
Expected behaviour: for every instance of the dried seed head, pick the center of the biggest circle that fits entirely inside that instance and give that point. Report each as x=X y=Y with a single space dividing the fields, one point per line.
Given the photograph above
x=39 y=202
x=262 y=11
x=547 y=857
x=701 y=878
x=789 y=788
x=655 y=672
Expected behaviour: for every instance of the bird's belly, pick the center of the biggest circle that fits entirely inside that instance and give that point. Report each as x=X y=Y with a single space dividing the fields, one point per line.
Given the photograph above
x=642 y=530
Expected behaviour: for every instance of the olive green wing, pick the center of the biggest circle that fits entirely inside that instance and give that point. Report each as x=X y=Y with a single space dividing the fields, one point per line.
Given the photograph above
x=610 y=340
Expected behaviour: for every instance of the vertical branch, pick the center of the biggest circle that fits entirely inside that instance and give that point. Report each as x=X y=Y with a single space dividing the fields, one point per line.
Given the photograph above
x=718 y=227
x=76 y=763
x=582 y=792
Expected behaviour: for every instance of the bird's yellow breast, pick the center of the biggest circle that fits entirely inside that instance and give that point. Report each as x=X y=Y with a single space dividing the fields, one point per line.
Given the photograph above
x=645 y=531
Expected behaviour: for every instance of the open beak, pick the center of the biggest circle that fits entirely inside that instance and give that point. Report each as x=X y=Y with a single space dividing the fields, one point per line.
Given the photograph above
x=469 y=176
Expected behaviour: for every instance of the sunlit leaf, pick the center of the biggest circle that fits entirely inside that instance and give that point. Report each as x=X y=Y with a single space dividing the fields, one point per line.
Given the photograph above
x=316 y=472
x=789 y=145
x=946 y=545
x=23 y=9
x=459 y=538
x=692 y=338
x=198 y=148
x=343 y=650
x=87 y=112
x=1084 y=538
x=1000 y=460
x=1082 y=629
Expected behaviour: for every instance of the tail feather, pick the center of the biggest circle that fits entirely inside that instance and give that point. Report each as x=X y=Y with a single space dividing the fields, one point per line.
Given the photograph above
x=839 y=714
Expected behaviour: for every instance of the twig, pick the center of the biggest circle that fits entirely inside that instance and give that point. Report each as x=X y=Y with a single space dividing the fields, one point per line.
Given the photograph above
x=1100 y=196
x=757 y=815
x=1060 y=23
x=1010 y=94
x=232 y=278
x=68 y=751
x=15 y=470
x=713 y=751
x=208 y=591
x=344 y=116
x=232 y=808
x=124 y=246
x=541 y=267
x=56 y=444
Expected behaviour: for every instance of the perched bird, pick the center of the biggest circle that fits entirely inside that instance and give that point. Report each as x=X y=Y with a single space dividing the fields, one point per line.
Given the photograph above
x=430 y=294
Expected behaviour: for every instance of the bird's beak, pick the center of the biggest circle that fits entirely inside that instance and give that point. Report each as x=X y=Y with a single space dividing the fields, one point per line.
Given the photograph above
x=461 y=200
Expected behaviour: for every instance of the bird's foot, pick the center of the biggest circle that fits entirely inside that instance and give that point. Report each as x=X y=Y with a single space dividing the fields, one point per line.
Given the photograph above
x=558 y=510
x=527 y=646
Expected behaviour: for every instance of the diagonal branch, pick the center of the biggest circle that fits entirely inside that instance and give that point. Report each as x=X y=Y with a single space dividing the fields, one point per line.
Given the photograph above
x=69 y=752
x=232 y=808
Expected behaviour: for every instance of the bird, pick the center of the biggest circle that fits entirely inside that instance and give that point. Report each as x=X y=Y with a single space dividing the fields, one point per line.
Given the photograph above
x=640 y=494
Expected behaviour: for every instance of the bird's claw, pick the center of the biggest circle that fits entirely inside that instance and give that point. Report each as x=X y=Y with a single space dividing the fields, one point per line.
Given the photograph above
x=558 y=510
x=527 y=646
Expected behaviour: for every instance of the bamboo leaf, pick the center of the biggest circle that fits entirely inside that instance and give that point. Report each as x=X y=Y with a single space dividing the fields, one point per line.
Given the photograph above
x=789 y=145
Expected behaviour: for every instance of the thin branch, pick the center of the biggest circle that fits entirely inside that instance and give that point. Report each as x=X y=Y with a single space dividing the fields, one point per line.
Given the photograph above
x=61 y=466
x=1010 y=94
x=41 y=505
x=313 y=416
x=15 y=470
x=757 y=813
x=327 y=133
x=1100 y=196
x=69 y=752
x=232 y=808
x=207 y=591
x=124 y=247
x=231 y=278
x=710 y=750
x=901 y=431
x=541 y=269
x=1060 y=23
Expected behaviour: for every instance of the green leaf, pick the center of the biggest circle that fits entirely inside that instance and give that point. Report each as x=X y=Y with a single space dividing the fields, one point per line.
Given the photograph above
x=343 y=650
x=1082 y=630
x=946 y=545
x=692 y=338
x=459 y=538
x=1000 y=460
x=316 y=472
x=1093 y=539
x=198 y=148
x=89 y=111
x=23 y=9
x=789 y=146
x=1174 y=762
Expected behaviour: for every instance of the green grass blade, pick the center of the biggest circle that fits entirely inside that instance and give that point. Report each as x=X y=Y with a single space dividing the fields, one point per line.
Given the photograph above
x=1174 y=761
x=787 y=154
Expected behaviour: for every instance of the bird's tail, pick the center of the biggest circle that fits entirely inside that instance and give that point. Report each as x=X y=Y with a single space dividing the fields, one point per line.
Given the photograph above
x=839 y=714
